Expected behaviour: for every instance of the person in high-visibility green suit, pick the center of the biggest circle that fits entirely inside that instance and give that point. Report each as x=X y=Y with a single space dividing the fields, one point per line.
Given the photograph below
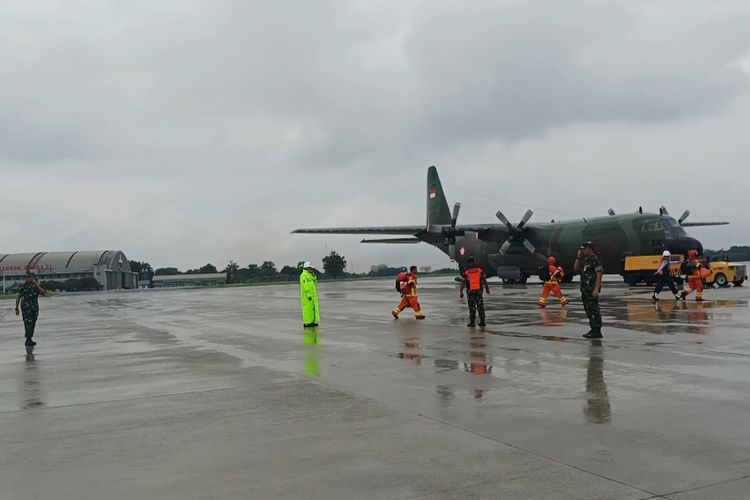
x=309 y=296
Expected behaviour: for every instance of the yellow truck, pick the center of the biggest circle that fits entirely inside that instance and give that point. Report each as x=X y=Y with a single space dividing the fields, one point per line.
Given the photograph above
x=723 y=273
x=641 y=268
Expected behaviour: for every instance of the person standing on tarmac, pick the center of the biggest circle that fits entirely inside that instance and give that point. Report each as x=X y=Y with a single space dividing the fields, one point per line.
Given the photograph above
x=308 y=282
x=591 y=270
x=475 y=280
x=664 y=277
x=552 y=284
x=28 y=298
x=408 y=289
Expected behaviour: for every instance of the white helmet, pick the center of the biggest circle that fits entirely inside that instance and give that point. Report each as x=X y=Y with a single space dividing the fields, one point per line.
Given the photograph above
x=666 y=253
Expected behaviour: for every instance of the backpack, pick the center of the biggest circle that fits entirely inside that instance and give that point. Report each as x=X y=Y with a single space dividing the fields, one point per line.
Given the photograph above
x=401 y=281
x=544 y=272
x=687 y=267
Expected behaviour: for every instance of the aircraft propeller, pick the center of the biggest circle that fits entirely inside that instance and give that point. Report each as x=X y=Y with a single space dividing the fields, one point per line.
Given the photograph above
x=684 y=216
x=450 y=232
x=516 y=232
x=663 y=211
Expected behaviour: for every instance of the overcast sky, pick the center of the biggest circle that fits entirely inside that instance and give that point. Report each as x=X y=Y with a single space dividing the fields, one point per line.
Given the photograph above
x=186 y=132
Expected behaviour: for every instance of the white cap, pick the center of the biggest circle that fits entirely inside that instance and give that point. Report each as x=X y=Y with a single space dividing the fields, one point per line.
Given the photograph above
x=306 y=265
x=666 y=253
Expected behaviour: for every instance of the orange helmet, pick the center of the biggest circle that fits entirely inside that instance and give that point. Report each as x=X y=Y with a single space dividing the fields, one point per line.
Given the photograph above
x=551 y=260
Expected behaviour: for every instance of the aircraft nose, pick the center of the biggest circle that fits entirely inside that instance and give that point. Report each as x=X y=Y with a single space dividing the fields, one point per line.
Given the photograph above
x=682 y=246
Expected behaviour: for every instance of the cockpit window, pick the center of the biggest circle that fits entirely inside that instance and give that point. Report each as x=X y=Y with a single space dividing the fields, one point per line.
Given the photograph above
x=667 y=226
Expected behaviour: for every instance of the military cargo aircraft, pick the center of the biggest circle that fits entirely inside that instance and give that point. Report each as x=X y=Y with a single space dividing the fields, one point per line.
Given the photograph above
x=514 y=252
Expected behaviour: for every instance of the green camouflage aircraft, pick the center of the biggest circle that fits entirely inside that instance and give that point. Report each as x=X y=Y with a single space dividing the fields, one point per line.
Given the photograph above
x=514 y=252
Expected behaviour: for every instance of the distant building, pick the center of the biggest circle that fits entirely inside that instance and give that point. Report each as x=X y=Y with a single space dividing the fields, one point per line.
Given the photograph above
x=181 y=280
x=110 y=268
x=378 y=267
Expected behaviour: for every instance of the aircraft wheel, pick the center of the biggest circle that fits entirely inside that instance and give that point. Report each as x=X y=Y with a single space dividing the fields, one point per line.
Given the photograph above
x=721 y=279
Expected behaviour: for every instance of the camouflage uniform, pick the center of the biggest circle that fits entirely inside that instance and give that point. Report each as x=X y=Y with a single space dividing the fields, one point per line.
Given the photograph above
x=589 y=267
x=29 y=307
x=475 y=281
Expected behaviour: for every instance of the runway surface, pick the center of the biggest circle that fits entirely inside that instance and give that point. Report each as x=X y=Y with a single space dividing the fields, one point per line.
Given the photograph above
x=220 y=394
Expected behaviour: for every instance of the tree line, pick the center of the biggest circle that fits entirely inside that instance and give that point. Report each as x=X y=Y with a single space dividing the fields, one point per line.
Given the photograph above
x=334 y=267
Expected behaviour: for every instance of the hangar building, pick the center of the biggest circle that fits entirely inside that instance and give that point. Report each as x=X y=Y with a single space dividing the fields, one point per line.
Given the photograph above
x=109 y=267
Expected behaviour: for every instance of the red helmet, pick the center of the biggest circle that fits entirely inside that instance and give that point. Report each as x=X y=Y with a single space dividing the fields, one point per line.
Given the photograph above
x=551 y=260
x=692 y=253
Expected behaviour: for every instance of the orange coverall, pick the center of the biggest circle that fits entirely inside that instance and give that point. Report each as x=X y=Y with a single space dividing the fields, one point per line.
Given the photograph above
x=553 y=285
x=409 y=299
x=695 y=280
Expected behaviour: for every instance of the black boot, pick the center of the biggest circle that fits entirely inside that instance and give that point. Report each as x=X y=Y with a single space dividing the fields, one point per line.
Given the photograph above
x=29 y=342
x=594 y=334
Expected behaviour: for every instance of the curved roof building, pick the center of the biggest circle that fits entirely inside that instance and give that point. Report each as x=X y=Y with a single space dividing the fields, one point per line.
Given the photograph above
x=110 y=268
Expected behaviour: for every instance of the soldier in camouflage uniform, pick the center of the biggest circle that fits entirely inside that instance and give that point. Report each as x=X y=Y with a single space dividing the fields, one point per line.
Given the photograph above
x=28 y=299
x=475 y=280
x=591 y=270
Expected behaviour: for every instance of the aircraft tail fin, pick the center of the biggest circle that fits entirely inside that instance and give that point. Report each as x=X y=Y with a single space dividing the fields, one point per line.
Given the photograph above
x=438 y=212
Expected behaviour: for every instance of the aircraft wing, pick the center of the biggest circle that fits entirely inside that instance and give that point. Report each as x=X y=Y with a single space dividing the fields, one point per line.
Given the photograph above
x=364 y=230
x=697 y=224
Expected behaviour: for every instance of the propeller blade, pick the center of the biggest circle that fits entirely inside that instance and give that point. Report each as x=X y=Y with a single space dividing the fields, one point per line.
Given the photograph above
x=504 y=220
x=663 y=210
x=611 y=212
x=456 y=209
x=505 y=246
x=525 y=219
x=528 y=246
x=684 y=216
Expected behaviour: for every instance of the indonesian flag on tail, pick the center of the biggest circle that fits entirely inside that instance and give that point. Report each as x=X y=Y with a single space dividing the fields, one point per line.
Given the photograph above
x=433 y=193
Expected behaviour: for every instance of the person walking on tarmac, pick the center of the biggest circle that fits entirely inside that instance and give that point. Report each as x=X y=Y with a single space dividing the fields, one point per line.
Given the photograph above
x=308 y=282
x=665 y=277
x=695 y=273
x=475 y=280
x=408 y=289
x=555 y=274
x=591 y=270
x=28 y=300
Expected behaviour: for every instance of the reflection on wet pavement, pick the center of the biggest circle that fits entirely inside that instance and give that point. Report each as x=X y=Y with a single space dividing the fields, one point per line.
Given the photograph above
x=597 y=407
x=311 y=357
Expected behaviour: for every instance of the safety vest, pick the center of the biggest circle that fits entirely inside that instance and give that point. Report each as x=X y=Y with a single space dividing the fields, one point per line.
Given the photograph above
x=555 y=274
x=474 y=275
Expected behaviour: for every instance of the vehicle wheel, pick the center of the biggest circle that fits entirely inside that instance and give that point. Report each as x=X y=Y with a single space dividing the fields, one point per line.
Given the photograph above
x=649 y=281
x=522 y=281
x=631 y=281
x=738 y=282
x=721 y=279
x=509 y=281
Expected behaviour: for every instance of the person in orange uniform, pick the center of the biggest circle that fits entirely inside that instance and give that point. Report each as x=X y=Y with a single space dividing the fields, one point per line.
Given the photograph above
x=695 y=274
x=553 y=283
x=409 y=295
x=475 y=280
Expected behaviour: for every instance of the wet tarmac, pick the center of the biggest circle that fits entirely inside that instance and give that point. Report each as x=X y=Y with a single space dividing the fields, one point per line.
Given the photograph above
x=220 y=394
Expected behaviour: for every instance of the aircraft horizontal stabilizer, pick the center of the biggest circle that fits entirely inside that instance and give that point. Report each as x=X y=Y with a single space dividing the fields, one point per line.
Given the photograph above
x=393 y=240
x=696 y=224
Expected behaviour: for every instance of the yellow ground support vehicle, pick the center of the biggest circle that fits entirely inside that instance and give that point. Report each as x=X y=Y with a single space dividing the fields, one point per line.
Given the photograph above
x=723 y=273
x=641 y=268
